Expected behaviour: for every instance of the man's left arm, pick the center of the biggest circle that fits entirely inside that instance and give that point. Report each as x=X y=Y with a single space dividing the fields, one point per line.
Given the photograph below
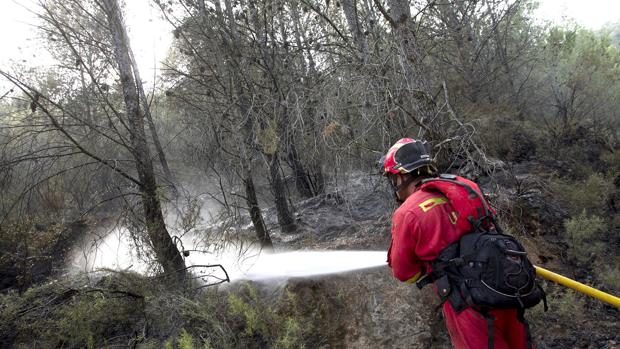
x=402 y=258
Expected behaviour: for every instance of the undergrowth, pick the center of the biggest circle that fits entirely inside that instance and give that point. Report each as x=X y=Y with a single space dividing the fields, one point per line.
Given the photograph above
x=128 y=309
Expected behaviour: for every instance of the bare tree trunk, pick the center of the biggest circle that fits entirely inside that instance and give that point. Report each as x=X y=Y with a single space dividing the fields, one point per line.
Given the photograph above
x=250 y=190
x=149 y=118
x=298 y=41
x=502 y=52
x=243 y=109
x=285 y=217
x=459 y=26
x=298 y=31
x=350 y=12
x=85 y=88
x=303 y=182
x=410 y=59
x=202 y=8
x=166 y=251
x=255 y=213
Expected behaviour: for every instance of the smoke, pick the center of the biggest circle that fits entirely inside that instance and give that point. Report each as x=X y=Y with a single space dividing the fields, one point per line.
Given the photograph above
x=214 y=249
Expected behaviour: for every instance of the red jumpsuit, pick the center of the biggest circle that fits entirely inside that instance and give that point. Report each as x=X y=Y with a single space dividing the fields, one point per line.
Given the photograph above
x=421 y=228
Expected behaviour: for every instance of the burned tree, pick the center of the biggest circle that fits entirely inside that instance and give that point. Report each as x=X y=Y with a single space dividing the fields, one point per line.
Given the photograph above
x=110 y=136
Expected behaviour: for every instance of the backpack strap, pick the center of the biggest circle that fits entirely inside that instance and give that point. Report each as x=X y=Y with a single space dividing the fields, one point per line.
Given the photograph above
x=487 y=212
x=544 y=297
x=449 y=178
x=454 y=293
x=490 y=330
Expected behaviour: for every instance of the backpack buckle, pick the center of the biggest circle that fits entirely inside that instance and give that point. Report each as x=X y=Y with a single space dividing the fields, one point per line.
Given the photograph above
x=425 y=280
x=443 y=287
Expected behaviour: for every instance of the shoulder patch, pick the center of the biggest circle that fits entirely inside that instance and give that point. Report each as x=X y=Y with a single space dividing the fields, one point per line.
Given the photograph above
x=432 y=202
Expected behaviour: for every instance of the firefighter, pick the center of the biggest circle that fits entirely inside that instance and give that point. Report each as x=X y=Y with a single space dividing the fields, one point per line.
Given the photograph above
x=422 y=226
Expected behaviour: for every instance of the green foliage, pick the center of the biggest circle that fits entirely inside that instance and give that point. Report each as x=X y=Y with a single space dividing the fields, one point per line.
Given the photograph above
x=149 y=344
x=291 y=338
x=254 y=315
x=61 y=314
x=583 y=79
x=565 y=306
x=278 y=324
x=614 y=33
x=32 y=244
x=590 y=195
x=186 y=341
x=254 y=323
x=582 y=232
x=569 y=305
x=612 y=161
x=610 y=275
x=77 y=313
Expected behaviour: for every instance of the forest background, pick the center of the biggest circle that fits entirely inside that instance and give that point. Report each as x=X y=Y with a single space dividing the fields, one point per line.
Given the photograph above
x=266 y=104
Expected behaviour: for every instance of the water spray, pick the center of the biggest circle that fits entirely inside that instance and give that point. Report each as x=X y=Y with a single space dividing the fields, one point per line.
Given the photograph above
x=310 y=264
x=113 y=252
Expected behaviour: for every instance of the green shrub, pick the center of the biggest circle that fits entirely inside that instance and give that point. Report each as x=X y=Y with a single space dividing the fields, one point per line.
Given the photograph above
x=149 y=344
x=292 y=336
x=565 y=306
x=612 y=161
x=76 y=313
x=569 y=305
x=257 y=318
x=276 y=324
x=186 y=341
x=611 y=277
x=63 y=314
x=590 y=195
x=582 y=232
x=29 y=246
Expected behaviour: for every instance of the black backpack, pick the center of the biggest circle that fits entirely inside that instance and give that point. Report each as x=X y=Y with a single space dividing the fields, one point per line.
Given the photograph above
x=486 y=269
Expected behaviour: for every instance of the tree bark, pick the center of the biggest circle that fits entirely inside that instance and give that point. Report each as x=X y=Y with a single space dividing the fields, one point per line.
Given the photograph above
x=285 y=217
x=255 y=212
x=410 y=58
x=350 y=12
x=149 y=119
x=302 y=179
x=246 y=129
x=166 y=252
x=299 y=32
x=303 y=182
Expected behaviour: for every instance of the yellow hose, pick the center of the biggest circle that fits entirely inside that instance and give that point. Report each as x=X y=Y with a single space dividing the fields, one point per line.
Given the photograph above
x=578 y=286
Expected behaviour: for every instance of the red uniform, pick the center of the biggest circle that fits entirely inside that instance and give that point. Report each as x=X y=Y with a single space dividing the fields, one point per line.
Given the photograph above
x=421 y=228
